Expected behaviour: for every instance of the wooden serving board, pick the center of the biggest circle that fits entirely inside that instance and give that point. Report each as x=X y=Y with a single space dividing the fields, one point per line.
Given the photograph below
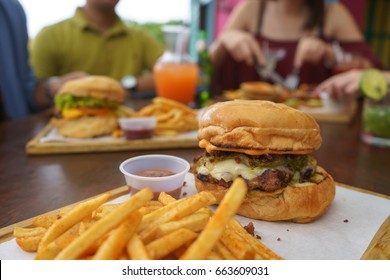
x=36 y=147
x=343 y=116
x=326 y=113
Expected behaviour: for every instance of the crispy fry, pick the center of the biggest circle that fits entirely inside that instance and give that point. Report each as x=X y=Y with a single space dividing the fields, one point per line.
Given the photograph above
x=113 y=246
x=262 y=251
x=214 y=256
x=165 y=198
x=148 y=209
x=237 y=245
x=29 y=238
x=45 y=220
x=163 y=246
x=185 y=208
x=50 y=251
x=103 y=210
x=28 y=232
x=147 y=219
x=207 y=239
x=224 y=251
x=195 y=222
x=172 y=117
x=136 y=249
x=72 y=217
x=108 y=222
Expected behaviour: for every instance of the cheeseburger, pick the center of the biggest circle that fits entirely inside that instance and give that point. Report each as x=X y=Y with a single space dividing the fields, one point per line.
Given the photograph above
x=87 y=107
x=269 y=145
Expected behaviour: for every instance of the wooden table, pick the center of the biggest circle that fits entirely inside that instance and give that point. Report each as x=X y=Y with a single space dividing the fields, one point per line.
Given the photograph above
x=33 y=185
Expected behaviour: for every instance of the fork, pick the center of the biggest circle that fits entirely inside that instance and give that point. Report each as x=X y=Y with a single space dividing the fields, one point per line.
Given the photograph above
x=292 y=80
x=267 y=71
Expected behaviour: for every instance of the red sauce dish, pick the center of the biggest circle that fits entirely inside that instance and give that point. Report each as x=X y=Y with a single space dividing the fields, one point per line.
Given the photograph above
x=161 y=173
x=138 y=128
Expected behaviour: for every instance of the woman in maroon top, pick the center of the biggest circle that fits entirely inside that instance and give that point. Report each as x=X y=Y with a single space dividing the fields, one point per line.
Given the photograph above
x=303 y=32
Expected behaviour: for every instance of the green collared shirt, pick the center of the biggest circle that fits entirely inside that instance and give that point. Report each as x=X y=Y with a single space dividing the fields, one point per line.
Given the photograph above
x=74 y=45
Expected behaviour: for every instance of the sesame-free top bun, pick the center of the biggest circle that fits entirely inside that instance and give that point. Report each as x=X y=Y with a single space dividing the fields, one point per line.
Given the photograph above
x=300 y=204
x=258 y=127
x=100 y=87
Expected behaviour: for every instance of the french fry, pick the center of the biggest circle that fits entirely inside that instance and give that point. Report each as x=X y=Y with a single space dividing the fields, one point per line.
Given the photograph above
x=74 y=216
x=45 y=220
x=149 y=218
x=148 y=209
x=136 y=249
x=49 y=251
x=214 y=256
x=207 y=239
x=104 y=210
x=224 y=251
x=237 y=245
x=29 y=238
x=104 y=225
x=262 y=251
x=165 y=245
x=195 y=222
x=185 y=208
x=165 y=198
x=114 y=245
x=172 y=117
x=28 y=232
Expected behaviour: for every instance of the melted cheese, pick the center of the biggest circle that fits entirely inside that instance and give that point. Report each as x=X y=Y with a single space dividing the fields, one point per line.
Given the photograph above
x=229 y=169
x=71 y=113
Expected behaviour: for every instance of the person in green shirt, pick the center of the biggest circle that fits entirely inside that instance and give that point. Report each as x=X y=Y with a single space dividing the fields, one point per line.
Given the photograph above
x=96 y=41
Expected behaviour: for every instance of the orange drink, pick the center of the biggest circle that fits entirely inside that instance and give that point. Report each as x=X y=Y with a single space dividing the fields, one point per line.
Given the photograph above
x=177 y=81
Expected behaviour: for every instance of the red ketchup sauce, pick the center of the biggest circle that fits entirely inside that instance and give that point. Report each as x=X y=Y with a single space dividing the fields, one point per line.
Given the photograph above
x=138 y=134
x=158 y=173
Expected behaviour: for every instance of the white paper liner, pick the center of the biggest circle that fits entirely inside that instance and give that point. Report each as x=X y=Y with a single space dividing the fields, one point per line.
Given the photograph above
x=343 y=233
x=54 y=136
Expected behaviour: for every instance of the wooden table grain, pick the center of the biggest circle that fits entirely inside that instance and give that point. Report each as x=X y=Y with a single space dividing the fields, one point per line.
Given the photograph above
x=33 y=185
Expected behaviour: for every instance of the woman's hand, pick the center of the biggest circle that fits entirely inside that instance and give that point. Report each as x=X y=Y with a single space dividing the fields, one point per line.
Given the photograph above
x=344 y=86
x=312 y=49
x=242 y=46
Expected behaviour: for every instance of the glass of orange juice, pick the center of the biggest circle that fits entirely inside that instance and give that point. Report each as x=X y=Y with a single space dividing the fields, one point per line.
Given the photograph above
x=175 y=74
x=176 y=80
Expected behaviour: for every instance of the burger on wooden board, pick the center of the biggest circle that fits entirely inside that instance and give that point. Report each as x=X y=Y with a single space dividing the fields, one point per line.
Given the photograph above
x=88 y=107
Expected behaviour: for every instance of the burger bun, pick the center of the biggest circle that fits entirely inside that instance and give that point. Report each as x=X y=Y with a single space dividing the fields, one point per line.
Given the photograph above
x=86 y=126
x=100 y=87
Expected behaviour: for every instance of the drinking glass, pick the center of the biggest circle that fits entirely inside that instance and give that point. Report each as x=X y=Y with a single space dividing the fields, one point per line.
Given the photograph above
x=176 y=74
x=376 y=122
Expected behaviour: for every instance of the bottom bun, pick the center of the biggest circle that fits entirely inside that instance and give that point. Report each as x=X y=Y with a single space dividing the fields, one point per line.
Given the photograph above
x=86 y=127
x=299 y=204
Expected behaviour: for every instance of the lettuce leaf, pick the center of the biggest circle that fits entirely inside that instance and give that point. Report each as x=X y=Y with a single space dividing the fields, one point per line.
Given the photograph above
x=69 y=101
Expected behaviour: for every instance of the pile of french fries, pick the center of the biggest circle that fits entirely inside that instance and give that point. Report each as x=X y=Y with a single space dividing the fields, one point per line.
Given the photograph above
x=172 y=117
x=145 y=229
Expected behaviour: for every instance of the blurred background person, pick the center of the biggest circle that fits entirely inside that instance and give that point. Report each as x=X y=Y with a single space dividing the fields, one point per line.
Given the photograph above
x=17 y=81
x=309 y=35
x=96 y=41
x=20 y=92
x=345 y=86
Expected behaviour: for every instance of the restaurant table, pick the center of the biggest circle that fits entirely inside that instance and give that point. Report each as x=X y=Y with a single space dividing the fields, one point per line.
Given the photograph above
x=31 y=185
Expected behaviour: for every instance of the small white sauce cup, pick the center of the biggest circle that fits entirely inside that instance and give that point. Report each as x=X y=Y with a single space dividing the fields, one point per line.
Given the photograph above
x=170 y=184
